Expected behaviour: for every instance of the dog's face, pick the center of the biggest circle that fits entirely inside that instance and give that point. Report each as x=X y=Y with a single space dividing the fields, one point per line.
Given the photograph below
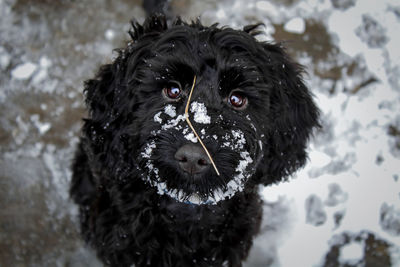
x=245 y=100
x=225 y=109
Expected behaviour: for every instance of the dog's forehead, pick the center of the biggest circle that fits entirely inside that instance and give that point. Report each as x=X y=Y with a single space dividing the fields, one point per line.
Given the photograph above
x=206 y=47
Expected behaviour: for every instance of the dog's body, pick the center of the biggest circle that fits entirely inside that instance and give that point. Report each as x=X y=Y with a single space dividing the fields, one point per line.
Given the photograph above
x=149 y=194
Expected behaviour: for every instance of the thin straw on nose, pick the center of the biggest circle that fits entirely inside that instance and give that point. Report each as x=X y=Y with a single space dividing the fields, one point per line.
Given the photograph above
x=194 y=131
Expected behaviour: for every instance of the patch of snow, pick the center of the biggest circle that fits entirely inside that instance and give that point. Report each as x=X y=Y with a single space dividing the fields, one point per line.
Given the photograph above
x=351 y=253
x=170 y=111
x=246 y=160
x=148 y=150
x=195 y=199
x=24 y=71
x=157 y=117
x=40 y=76
x=200 y=113
x=44 y=127
x=295 y=25
x=238 y=182
x=174 y=122
x=235 y=140
x=239 y=138
x=320 y=158
x=45 y=62
x=265 y=6
x=109 y=34
x=191 y=137
x=5 y=58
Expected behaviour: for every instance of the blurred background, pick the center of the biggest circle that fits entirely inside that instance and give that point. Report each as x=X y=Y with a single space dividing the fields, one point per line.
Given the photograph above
x=342 y=209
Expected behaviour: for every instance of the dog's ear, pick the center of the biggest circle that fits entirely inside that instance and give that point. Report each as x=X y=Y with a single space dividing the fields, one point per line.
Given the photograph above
x=110 y=96
x=105 y=90
x=292 y=116
x=100 y=100
x=110 y=100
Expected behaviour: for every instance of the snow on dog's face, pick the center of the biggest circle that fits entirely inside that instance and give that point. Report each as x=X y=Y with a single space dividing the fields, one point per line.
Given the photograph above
x=225 y=110
x=248 y=106
x=228 y=137
x=235 y=155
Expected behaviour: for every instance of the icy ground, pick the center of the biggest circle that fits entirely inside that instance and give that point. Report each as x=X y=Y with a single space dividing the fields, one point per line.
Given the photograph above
x=342 y=209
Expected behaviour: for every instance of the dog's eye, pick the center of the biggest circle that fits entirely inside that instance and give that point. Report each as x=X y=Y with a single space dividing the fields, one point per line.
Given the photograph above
x=237 y=100
x=172 y=91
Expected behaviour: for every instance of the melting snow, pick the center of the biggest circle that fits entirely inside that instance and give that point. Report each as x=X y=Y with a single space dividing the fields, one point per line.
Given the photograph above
x=246 y=160
x=5 y=58
x=43 y=127
x=148 y=150
x=173 y=123
x=351 y=253
x=235 y=140
x=170 y=111
x=191 y=137
x=157 y=117
x=109 y=34
x=295 y=25
x=200 y=113
x=24 y=71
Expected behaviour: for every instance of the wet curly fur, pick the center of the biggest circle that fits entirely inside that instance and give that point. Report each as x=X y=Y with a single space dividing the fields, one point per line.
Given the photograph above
x=134 y=198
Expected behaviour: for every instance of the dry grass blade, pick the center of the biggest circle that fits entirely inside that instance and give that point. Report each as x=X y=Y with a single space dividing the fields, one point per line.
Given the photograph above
x=194 y=131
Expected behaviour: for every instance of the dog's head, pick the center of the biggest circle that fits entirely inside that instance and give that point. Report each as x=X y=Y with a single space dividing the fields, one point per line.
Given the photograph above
x=249 y=107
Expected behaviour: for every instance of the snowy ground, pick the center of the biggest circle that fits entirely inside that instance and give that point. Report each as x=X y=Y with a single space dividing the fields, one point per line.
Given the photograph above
x=342 y=209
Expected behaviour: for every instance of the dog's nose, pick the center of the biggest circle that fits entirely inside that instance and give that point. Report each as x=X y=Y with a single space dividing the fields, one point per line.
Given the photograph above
x=192 y=159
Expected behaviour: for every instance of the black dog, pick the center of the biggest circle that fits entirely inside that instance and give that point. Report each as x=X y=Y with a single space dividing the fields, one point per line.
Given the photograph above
x=149 y=193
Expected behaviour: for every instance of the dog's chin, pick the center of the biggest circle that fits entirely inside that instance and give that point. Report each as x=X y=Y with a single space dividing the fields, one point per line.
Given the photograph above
x=207 y=188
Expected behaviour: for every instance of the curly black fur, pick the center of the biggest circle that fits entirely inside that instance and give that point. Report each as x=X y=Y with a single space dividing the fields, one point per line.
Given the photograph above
x=132 y=214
